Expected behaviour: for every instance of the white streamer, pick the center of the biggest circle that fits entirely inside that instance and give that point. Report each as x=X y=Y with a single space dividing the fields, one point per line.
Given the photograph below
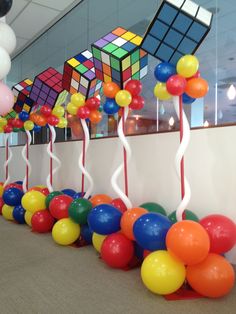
x=8 y=160
x=53 y=156
x=82 y=168
x=28 y=164
x=179 y=155
x=118 y=171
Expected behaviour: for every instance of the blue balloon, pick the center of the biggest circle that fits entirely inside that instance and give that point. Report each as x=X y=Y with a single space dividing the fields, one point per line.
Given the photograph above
x=37 y=128
x=69 y=192
x=104 y=219
x=19 y=182
x=12 y=196
x=19 y=214
x=150 y=231
x=188 y=100
x=79 y=195
x=110 y=106
x=23 y=116
x=163 y=71
x=86 y=234
x=138 y=251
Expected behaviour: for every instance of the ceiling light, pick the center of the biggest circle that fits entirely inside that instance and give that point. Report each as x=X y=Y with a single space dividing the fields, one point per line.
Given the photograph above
x=206 y=124
x=231 y=92
x=171 y=121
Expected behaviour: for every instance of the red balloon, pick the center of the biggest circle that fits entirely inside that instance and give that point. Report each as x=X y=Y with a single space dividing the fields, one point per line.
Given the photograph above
x=10 y=121
x=117 y=251
x=93 y=103
x=46 y=110
x=137 y=103
x=13 y=185
x=119 y=204
x=59 y=206
x=8 y=128
x=196 y=75
x=45 y=191
x=146 y=253
x=134 y=87
x=17 y=123
x=42 y=221
x=221 y=231
x=83 y=112
x=53 y=120
x=1 y=204
x=176 y=84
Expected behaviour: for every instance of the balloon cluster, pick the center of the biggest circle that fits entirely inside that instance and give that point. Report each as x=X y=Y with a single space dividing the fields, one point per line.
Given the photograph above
x=183 y=80
x=119 y=98
x=7 y=46
x=85 y=109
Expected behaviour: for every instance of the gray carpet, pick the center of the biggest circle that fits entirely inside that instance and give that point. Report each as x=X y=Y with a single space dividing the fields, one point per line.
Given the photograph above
x=38 y=276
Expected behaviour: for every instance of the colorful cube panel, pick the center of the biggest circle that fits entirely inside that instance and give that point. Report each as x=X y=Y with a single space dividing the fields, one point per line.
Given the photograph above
x=47 y=89
x=118 y=57
x=10 y=115
x=21 y=92
x=79 y=75
x=178 y=28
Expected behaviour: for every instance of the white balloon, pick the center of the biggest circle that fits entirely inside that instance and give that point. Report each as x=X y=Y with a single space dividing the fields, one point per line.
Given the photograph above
x=5 y=63
x=7 y=38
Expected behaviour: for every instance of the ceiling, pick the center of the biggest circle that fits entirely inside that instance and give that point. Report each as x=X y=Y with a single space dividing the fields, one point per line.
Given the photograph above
x=30 y=18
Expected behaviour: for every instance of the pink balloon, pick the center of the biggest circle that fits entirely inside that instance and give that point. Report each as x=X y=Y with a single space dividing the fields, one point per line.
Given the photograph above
x=6 y=99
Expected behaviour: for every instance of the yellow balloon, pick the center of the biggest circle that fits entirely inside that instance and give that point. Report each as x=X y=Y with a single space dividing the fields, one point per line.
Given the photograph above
x=29 y=125
x=97 y=240
x=78 y=99
x=161 y=273
x=72 y=109
x=3 y=121
x=123 y=98
x=62 y=123
x=7 y=212
x=33 y=201
x=1 y=189
x=1 y=130
x=187 y=66
x=28 y=217
x=161 y=92
x=65 y=231
x=58 y=111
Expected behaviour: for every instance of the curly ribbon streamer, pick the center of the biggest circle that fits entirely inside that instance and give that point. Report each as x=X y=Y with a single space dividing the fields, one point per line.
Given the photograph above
x=25 y=156
x=186 y=191
x=8 y=160
x=118 y=171
x=52 y=157
x=81 y=159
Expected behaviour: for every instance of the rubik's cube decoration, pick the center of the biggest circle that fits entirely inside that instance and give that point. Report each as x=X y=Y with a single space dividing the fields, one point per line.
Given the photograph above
x=11 y=115
x=21 y=92
x=47 y=89
x=79 y=75
x=118 y=57
x=178 y=28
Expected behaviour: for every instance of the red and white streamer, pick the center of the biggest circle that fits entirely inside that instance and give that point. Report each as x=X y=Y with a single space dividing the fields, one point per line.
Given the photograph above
x=81 y=162
x=53 y=156
x=179 y=165
x=25 y=156
x=123 y=166
x=8 y=160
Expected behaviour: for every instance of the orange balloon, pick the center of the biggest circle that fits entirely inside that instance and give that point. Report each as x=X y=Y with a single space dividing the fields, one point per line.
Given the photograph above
x=40 y=120
x=95 y=116
x=99 y=199
x=110 y=89
x=33 y=117
x=213 y=278
x=188 y=241
x=128 y=219
x=196 y=87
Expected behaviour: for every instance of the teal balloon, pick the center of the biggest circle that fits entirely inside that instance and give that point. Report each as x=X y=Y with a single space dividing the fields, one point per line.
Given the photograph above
x=188 y=216
x=154 y=208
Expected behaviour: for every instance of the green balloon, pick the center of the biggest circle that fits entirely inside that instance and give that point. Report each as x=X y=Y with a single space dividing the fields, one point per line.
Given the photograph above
x=51 y=196
x=154 y=207
x=79 y=210
x=16 y=130
x=188 y=216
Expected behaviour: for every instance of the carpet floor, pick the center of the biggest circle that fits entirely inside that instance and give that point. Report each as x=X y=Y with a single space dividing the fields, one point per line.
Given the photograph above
x=38 y=276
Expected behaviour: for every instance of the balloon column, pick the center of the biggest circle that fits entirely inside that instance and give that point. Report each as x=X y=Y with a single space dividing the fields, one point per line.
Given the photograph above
x=184 y=84
x=85 y=110
x=116 y=100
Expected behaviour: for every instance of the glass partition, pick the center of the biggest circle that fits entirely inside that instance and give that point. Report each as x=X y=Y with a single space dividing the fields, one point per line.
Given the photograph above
x=92 y=19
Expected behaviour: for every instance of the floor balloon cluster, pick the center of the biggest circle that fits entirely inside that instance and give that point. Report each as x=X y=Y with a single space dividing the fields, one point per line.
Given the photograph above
x=170 y=253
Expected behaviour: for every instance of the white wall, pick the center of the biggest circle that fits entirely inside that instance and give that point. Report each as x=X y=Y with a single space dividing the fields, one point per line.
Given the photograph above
x=210 y=168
